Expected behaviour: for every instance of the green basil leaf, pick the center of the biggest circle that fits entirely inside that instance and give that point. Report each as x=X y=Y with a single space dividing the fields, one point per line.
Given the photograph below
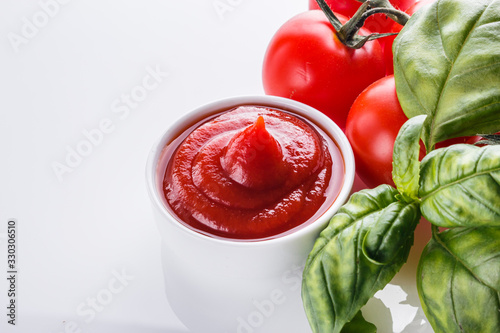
x=406 y=164
x=460 y=186
x=447 y=65
x=339 y=278
x=459 y=280
x=391 y=232
x=359 y=325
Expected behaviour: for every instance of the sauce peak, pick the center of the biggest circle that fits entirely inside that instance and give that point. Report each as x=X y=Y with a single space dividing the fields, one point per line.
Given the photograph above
x=254 y=159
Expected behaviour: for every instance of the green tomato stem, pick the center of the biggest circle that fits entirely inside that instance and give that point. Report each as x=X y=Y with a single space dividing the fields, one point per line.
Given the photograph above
x=348 y=33
x=329 y=14
x=393 y=13
x=489 y=139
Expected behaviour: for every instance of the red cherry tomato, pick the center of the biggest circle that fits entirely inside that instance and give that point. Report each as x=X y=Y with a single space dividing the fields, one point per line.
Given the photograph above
x=372 y=126
x=305 y=61
x=396 y=27
x=375 y=23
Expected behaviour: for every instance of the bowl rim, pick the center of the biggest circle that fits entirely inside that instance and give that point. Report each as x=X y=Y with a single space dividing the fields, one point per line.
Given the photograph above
x=310 y=113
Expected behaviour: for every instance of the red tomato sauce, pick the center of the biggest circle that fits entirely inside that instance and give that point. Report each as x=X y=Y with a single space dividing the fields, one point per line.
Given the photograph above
x=251 y=173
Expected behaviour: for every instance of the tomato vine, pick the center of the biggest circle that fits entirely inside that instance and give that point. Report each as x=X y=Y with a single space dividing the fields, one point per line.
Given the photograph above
x=348 y=33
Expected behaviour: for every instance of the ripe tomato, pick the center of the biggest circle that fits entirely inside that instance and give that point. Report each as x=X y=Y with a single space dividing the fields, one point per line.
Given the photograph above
x=372 y=126
x=375 y=23
x=396 y=27
x=305 y=61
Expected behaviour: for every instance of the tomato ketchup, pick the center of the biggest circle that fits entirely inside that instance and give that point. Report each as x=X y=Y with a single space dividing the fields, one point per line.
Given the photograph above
x=251 y=173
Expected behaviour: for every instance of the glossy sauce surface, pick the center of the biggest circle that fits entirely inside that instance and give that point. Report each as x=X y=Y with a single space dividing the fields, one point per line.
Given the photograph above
x=251 y=173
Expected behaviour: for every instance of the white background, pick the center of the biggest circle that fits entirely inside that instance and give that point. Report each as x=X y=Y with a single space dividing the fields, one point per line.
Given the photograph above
x=61 y=79
x=66 y=68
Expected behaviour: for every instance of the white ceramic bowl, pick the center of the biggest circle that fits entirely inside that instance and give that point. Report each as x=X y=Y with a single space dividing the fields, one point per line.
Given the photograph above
x=218 y=285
